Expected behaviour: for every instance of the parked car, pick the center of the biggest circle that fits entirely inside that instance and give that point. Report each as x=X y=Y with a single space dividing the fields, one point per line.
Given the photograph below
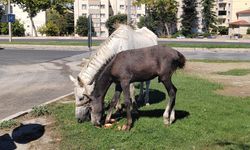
x=237 y=35
x=180 y=37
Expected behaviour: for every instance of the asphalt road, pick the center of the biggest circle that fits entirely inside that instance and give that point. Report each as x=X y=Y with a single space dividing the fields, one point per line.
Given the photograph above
x=32 y=77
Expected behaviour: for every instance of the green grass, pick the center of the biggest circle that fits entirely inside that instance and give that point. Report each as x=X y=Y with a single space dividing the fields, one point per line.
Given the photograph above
x=40 y=111
x=218 y=61
x=196 y=45
x=206 y=121
x=84 y=43
x=235 y=72
x=61 y=43
x=8 y=124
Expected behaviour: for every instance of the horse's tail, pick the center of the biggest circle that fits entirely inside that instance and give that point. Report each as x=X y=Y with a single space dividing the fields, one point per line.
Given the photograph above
x=181 y=60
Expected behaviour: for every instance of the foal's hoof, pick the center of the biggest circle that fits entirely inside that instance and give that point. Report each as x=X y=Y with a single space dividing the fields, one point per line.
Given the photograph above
x=124 y=128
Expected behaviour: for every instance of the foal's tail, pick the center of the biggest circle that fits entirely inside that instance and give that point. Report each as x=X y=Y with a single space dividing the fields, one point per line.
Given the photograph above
x=181 y=60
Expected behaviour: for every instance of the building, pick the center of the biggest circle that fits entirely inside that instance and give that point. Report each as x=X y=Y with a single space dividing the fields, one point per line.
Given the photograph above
x=100 y=10
x=226 y=10
x=242 y=24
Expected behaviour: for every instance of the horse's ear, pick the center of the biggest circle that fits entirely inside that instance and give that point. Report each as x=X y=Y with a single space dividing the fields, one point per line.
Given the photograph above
x=89 y=97
x=80 y=82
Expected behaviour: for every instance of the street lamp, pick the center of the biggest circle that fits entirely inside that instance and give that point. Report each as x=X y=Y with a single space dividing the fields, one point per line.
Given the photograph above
x=10 y=32
x=129 y=11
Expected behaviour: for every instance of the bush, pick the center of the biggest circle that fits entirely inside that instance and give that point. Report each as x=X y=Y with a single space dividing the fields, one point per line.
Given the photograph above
x=248 y=31
x=40 y=111
x=82 y=26
x=50 y=29
x=8 y=124
x=223 y=30
x=17 y=28
x=114 y=20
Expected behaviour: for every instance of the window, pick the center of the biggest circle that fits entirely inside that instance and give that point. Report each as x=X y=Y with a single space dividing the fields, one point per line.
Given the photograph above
x=138 y=15
x=84 y=14
x=93 y=6
x=102 y=15
x=138 y=7
x=222 y=13
x=122 y=7
x=102 y=6
x=95 y=16
x=84 y=6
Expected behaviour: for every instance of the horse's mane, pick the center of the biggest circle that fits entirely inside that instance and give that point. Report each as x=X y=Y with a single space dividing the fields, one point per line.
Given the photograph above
x=122 y=39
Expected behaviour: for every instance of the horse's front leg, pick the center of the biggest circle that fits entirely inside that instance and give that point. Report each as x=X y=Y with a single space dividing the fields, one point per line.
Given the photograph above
x=126 y=89
x=169 y=114
x=114 y=102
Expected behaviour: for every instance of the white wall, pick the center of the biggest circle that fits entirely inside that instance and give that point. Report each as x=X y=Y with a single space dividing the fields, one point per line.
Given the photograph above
x=39 y=20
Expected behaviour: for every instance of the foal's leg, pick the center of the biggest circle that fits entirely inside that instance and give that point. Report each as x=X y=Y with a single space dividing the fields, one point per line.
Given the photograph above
x=147 y=92
x=125 y=88
x=140 y=98
x=169 y=114
x=114 y=102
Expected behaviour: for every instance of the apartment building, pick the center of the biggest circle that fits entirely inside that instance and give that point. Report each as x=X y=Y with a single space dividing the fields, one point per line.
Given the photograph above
x=100 y=10
x=226 y=10
x=39 y=20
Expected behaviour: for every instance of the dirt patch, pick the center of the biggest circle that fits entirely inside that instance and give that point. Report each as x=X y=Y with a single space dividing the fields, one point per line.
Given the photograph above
x=233 y=85
x=32 y=133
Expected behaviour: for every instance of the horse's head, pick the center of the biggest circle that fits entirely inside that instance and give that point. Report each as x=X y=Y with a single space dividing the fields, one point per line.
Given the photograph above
x=82 y=102
x=87 y=107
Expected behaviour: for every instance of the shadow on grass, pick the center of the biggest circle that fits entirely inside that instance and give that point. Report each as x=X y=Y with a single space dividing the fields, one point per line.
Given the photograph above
x=22 y=135
x=233 y=145
x=156 y=113
x=155 y=96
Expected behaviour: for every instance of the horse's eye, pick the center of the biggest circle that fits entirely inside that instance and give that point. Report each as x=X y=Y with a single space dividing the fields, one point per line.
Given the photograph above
x=81 y=99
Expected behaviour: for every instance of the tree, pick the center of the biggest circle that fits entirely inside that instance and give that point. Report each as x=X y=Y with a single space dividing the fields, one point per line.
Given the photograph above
x=32 y=7
x=65 y=22
x=209 y=17
x=114 y=20
x=1 y=12
x=163 y=13
x=189 y=19
x=17 y=28
x=82 y=26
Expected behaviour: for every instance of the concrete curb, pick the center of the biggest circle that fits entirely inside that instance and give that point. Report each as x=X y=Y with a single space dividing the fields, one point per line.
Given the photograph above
x=46 y=47
x=21 y=113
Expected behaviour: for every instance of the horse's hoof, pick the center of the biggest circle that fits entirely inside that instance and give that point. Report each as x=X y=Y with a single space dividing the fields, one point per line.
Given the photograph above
x=108 y=125
x=112 y=120
x=147 y=104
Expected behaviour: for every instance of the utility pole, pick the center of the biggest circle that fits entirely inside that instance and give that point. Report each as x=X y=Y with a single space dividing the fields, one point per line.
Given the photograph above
x=129 y=12
x=10 y=31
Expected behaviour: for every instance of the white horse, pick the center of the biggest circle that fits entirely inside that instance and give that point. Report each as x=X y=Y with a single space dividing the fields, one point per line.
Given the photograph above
x=124 y=38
